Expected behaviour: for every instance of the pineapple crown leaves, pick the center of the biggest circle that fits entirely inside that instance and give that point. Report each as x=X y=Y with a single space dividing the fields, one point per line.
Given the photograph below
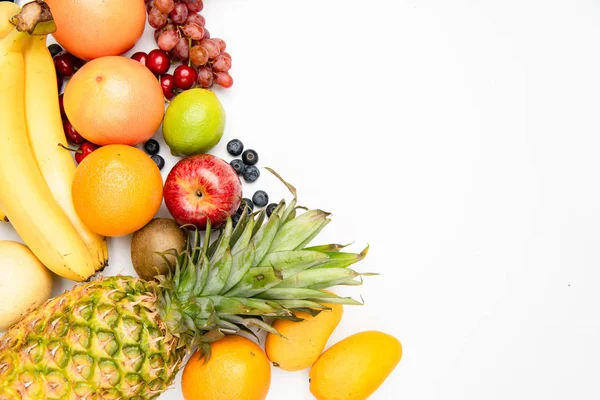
x=261 y=268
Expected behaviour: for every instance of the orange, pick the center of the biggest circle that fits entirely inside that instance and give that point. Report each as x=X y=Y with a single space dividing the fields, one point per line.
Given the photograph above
x=92 y=28
x=114 y=100
x=117 y=190
x=237 y=369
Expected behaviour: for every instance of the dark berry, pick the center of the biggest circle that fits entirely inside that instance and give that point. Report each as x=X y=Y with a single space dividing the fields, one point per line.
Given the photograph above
x=250 y=157
x=248 y=203
x=238 y=166
x=152 y=147
x=260 y=198
x=54 y=49
x=235 y=147
x=235 y=219
x=84 y=150
x=251 y=173
x=64 y=64
x=270 y=208
x=160 y=162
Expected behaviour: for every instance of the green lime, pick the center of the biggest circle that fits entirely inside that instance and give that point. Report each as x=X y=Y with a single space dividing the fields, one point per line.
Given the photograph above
x=194 y=122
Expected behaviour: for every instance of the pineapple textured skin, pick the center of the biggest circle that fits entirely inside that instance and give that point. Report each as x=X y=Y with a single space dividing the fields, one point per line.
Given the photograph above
x=102 y=340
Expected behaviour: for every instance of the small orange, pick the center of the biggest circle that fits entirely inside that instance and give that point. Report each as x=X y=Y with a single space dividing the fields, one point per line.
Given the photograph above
x=92 y=28
x=114 y=100
x=237 y=369
x=117 y=190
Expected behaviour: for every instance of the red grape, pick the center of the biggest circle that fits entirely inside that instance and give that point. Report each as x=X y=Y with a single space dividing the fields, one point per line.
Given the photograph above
x=164 y=28
x=206 y=34
x=193 y=31
x=224 y=79
x=174 y=57
x=226 y=54
x=222 y=64
x=196 y=19
x=167 y=40
x=156 y=18
x=149 y=6
x=194 y=5
x=85 y=150
x=165 y=6
x=158 y=62
x=61 y=106
x=72 y=135
x=198 y=55
x=140 y=57
x=211 y=47
x=182 y=48
x=205 y=77
x=64 y=64
x=147 y=1
x=179 y=14
x=168 y=85
x=185 y=77
x=221 y=43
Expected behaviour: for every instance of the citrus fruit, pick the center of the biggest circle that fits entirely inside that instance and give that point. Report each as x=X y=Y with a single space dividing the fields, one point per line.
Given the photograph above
x=237 y=369
x=194 y=122
x=90 y=28
x=114 y=100
x=117 y=190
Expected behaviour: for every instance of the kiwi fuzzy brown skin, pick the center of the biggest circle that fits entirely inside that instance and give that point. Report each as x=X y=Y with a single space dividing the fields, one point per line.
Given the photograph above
x=159 y=235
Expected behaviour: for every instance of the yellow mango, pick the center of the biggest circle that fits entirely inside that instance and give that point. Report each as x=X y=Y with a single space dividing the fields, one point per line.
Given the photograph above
x=354 y=368
x=304 y=341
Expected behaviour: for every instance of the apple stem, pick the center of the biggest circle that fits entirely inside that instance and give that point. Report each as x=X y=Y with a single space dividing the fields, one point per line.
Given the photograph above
x=199 y=193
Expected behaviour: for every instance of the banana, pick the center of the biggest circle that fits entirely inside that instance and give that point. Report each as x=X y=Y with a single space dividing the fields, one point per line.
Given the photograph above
x=3 y=217
x=46 y=134
x=25 y=197
x=8 y=9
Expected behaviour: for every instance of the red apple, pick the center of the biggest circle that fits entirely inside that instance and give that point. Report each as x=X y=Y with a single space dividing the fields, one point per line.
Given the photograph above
x=202 y=187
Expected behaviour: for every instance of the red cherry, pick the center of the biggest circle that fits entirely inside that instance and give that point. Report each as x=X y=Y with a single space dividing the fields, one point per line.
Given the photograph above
x=85 y=150
x=158 y=62
x=61 y=105
x=140 y=57
x=185 y=77
x=72 y=135
x=64 y=64
x=77 y=63
x=167 y=82
x=59 y=82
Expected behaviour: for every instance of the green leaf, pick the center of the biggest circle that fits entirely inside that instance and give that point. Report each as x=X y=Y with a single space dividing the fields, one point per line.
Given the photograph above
x=255 y=281
x=305 y=294
x=317 y=276
x=217 y=277
x=264 y=237
x=297 y=231
x=293 y=262
x=327 y=248
x=343 y=260
x=244 y=238
x=242 y=262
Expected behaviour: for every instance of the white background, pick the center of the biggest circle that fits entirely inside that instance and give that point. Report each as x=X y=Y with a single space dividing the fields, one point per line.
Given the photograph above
x=459 y=139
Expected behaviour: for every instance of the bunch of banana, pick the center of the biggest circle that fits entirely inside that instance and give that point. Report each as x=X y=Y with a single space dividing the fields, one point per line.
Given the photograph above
x=36 y=173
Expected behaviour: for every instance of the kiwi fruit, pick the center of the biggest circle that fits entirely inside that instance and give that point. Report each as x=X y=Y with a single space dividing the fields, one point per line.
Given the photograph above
x=160 y=235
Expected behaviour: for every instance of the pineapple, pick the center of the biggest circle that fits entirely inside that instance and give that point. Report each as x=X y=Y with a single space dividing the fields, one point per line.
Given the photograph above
x=126 y=338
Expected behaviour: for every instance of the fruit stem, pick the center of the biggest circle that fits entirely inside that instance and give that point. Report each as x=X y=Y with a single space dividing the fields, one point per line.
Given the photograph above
x=35 y=18
x=78 y=151
x=189 y=51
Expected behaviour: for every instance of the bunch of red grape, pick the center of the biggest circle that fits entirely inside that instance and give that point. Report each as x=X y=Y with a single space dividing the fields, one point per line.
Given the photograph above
x=180 y=32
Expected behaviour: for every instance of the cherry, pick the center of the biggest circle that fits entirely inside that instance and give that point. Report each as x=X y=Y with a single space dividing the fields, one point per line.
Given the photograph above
x=59 y=82
x=62 y=106
x=158 y=62
x=140 y=57
x=72 y=135
x=77 y=63
x=64 y=64
x=84 y=150
x=167 y=82
x=185 y=77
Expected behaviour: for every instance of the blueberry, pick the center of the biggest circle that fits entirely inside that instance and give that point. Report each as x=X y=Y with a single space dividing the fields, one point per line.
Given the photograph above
x=54 y=49
x=250 y=157
x=160 y=162
x=235 y=219
x=251 y=173
x=246 y=203
x=260 y=198
x=152 y=147
x=238 y=166
x=235 y=147
x=270 y=208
